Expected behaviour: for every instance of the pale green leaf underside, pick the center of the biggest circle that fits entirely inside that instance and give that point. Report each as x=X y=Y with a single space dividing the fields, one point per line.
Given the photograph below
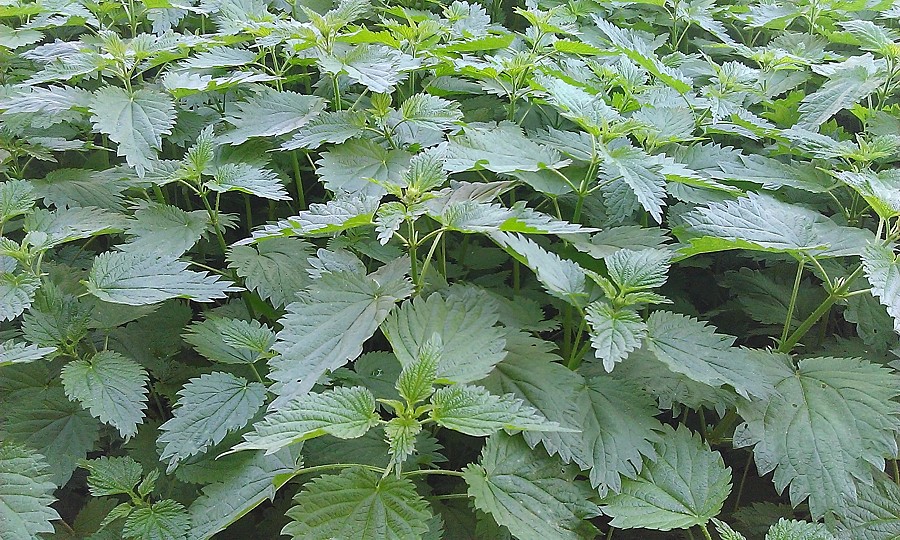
x=475 y=411
x=19 y=352
x=882 y=269
x=614 y=332
x=26 y=493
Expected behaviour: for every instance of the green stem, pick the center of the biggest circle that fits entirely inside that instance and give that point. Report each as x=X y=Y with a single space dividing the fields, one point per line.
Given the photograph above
x=833 y=296
x=298 y=181
x=705 y=532
x=440 y=472
x=255 y=372
x=793 y=302
x=412 y=242
x=434 y=244
x=574 y=358
x=723 y=426
x=737 y=498
x=337 y=92
x=609 y=533
x=214 y=220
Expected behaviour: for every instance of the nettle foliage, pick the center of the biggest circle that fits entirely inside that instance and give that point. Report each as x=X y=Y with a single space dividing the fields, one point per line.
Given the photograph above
x=364 y=270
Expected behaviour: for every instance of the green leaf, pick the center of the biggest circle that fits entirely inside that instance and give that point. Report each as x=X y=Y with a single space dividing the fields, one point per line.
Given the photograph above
x=882 y=269
x=562 y=278
x=841 y=91
x=163 y=520
x=876 y=513
x=531 y=494
x=465 y=322
x=112 y=475
x=642 y=172
x=16 y=294
x=19 y=352
x=236 y=492
x=416 y=381
x=425 y=111
x=358 y=503
x=690 y=347
x=327 y=326
x=26 y=493
x=65 y=188
x=339 y=214
x=726 y=532
x=615 y=332
x=500 y=148
x=346 y=413
x=247 y=178
x=376 y=67
x=113 y=388
x=209 y=407
x=230 y=341
x=331 y=127
x=16 y=198
x=45 y=420
x=270 y=113
x=136 y=121
x=401 y=433
x=878 y=189
x=635 y=270
x=825 y=428
x=762 y=223
x=69 y=224
x=475 y=411
x=614 y=420
x=686 y=486
x=352 y=166
x=165 y=229
x=145 y=278
x=798 y=530
x=275 y=268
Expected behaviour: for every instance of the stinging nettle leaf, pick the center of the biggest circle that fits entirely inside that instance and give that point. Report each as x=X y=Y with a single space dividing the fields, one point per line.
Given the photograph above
x=165 y=520
x=271 y=113
x=145 y=278
x=230 y=341
x=209 y=407
x=346 y=413
x=830 y=422
x=875 y=515
x=112 y=475
x=19 y=352
x=686 y=486
x=358 y=503
x=247 y=178
x=615 y=332
x=475 y=411
x=882 y=269
x=26 y=493
x=500 y=148
x=274 y=268
x=416 y=380
x=113 y=388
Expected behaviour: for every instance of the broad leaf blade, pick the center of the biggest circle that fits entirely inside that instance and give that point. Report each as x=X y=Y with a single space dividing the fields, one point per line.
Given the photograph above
x=26 y=494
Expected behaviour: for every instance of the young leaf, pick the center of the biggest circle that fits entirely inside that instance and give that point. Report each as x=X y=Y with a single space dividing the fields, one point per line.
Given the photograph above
x=882 y=269
x=136 y=121
x=26 y=493
x=247 y=178
x=17 y=352
x=327 y=327
x=500 y=148
x=471 y=344
x=16 y=294
x=615 y=332
x=237 y=492
x=529 y=493
x=686 y=486
x=112 y=475
x=798 y=530
x=271 y=113
x=209 y=408
x=275 y=268
x=636 y=270
x=824 y=429
x=475 y=411
x=113 y=388
x=346 y=413
x=145 y=278
x=165 y=520
x=562 y=278
x=416 y=381
x=358 y=503
x=726 y=532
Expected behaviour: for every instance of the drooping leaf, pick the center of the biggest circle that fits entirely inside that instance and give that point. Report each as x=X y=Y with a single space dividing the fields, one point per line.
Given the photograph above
x=327 y=327
x=346 y=413
x=113 y=388
x=275 y=268
x=690 y=347
x=842 y=90
x=642 y=173
x=165 y=229
x=112 y=475
x=209 y=407
x=19 y=352
x=247 y=178
x=237 y=492
x=147 y=278
x=500 y=148
x=350 y=167
x=830 y=422
x=136 y=121
x=339 y=214
x=883 y=272
x=230 y=341
x=330 y=127
x=529 y=493
x=562 y=278
x=466 y=324
x=271 y=113
x=614 y=332
x=26 y=493
x=686 y=486
x=358 y=503
x=475 y=411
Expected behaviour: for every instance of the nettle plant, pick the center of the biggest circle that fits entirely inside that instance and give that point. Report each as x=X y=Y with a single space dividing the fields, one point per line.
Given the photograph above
x=449 y=270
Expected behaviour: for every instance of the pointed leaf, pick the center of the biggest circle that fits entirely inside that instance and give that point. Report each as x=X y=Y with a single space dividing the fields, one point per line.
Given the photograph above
x=614 y=332
x=230 y=341
x=26 y=494
x=112 y=475
x=16 y=294
x=165 y=229
x=163 y=520
x=350 y=167
x=876 y=513
x=416 y=381
x=882 y=269
x=475 y=411
x=271 y=113
x=275 y=268
x=500 y=148
x=19 y=352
